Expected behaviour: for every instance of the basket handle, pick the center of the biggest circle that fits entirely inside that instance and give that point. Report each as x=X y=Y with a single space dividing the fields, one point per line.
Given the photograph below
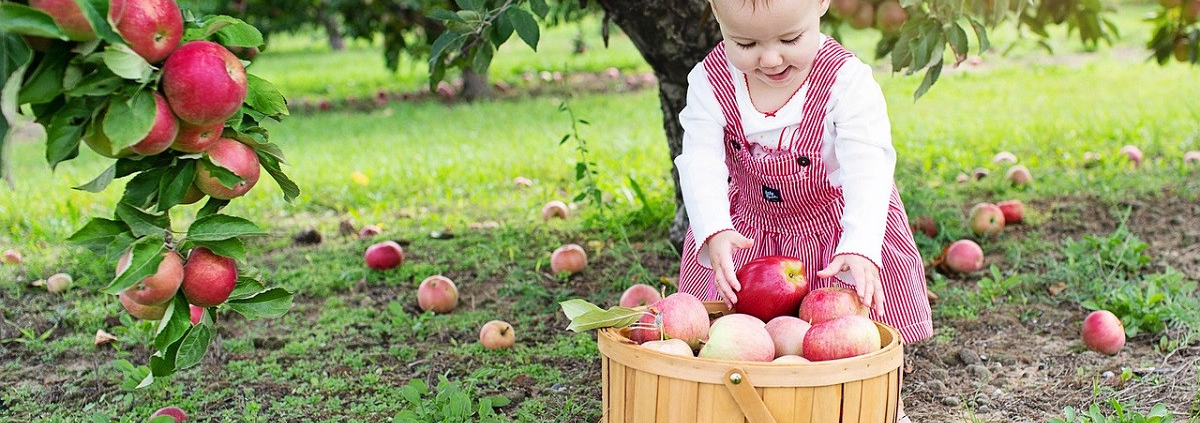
x=746 y=397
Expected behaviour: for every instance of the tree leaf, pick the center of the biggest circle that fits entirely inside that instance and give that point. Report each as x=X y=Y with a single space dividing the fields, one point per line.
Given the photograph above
x=64 y=132
x=193 y=346
x=577 y=307
x=981 y=34
x=174 y=185
x=126 y=63
x=142 y=190
x=142 y=223
x=931 y=76
x=98 y=233
x=539 y=7
x=270 y=303
x=100 y=182
x=100 y=83
x=219 y=227
x=247 y=286
x=232 y=247
x=147 y=254
x=46 y=81
x=240 y=34
x=225 y=176
x=263 y=97
x=96 y=13
x=129 y=120
x=286 y=185
x=212 y=206
x=174 y=323
x=613 y=317
x=525 y=25
x=21 y=19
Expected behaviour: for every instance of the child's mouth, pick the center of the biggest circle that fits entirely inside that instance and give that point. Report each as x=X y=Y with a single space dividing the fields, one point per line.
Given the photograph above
x=779 y=76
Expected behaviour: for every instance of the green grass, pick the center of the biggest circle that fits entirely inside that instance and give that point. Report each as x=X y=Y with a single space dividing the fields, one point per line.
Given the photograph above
x=354 y=340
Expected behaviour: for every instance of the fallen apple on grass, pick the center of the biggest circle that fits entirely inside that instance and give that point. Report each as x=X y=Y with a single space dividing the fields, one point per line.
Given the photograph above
x=639 y=295
x=926 y=225
x=1103 y=332
x=962 y=256
x=175 y=412
x=986 y=219
x=1004 y=157
x=12 y=257
x=569 y=258
x=846 y=336
x=772 y=286
x=830 y=303
x=555 y=209
x=497 y=335
x=1013 y=211
x=58 y=283
x=1191 y=158
x=384 y=255
x=1019 y=175
x=438 y=294
x=1132 y=153
x=369 y=231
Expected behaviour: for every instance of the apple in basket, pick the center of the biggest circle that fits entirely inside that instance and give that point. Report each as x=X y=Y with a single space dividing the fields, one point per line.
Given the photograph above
x=846 y=336
x=739 y=337
x=772 y=286
x=679 y=316
x=830 y=303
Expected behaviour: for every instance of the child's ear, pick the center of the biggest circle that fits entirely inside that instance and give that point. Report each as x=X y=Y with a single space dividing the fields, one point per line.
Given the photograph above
x=823 y=6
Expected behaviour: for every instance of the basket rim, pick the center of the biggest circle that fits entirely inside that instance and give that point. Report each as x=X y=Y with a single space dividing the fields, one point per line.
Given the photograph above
x=615 y=346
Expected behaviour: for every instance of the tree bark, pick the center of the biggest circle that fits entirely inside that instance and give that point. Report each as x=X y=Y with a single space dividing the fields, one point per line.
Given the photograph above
x=336 y=41
x=673 y=36
x=475 y=85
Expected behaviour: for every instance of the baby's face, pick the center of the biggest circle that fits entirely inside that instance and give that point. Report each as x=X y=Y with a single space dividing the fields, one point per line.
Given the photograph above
x=775 y=43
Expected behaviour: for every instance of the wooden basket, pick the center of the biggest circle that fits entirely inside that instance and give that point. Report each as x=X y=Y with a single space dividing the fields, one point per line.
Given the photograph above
x=646 y=386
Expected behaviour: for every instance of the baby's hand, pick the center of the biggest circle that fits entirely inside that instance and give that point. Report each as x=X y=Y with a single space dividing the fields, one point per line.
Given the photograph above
x=866 y=278
x=720 y=252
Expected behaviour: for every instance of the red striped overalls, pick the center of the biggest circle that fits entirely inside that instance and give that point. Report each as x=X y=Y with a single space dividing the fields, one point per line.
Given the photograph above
x=786 y=204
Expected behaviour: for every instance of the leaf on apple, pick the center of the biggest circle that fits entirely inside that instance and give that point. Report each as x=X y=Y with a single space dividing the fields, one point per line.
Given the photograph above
x=21 y=19
x=586 y=316
x=129 y=120
x=273 y=302
x=126 y=63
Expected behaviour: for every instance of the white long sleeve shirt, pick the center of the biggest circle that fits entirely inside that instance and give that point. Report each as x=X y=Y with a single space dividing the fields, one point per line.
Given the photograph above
x=857 y=153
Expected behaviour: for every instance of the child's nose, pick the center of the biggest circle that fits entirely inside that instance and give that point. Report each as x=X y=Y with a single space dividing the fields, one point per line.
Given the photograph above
x=770 y=58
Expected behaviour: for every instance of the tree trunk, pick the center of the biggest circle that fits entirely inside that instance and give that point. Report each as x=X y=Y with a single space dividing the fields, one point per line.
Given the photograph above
x=332 y=29
x=673 y=36
x=475 y=85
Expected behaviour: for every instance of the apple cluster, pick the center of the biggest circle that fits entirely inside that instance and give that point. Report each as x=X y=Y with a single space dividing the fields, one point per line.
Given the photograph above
x=206 y=280
x=776 y=319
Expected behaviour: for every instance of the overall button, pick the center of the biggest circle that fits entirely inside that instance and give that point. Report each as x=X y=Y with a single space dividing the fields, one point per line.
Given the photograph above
x=736 y=145
x=803 y=161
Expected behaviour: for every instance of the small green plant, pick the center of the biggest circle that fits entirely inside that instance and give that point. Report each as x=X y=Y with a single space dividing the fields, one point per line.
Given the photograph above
x=585 y=168
x=451 y=404
x=1157 y=414
x=1151 y=304
x=991 y=290
x=1120 y=255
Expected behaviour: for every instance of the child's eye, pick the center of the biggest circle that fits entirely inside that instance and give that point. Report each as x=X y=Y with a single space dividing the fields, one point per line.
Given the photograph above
x=745 y=45
x=793 y=40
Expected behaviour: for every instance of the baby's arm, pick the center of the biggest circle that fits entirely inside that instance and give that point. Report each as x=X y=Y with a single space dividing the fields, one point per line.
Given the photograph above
x=703 y=178
x=866 y=163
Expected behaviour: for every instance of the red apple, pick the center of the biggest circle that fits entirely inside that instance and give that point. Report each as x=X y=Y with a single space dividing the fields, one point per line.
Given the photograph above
x=890 y=16
x=162 y=134
x=830 y=303
x=58 y=282
x=1132 y=153
x=670 y=346
x=1191 y=157
x=68 y=16
x=1004 y=157
x=1090 y=158
x=790 y=359
x=926 y=225
x=639 y=295
x=1013 y=210
x=234 y=156
x=438 y=294
x=369 y=231
x=963 y=256
x=174 y=412
x=555 y=209
x=384 y=255
x=1019 y=175
x=208 y=279
x=142 y=311
x=738 y=339
x=986 y=219
x=846 y=336
x=152 y=28
x=788 y=334
x=196 y=312
x=197 y=138
x=568 y=258
x=772 y=286
x=523 y=182
x=497 y=335
x=1103 y=332
x=159 y=287
x=12 y=257
x=204 y=83
x=679 y=316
